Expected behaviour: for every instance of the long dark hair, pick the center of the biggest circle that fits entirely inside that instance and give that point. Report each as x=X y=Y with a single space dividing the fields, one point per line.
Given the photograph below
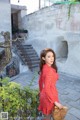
x=43 y=54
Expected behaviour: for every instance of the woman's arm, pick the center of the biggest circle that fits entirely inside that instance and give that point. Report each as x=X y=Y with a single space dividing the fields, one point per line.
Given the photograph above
x=40 y=83
x=50 y=91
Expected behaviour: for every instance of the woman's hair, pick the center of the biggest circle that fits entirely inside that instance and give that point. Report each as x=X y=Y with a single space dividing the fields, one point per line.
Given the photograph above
x=43 y=54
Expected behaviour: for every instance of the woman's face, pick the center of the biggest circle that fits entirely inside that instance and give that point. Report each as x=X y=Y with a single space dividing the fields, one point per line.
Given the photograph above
x=49 y=58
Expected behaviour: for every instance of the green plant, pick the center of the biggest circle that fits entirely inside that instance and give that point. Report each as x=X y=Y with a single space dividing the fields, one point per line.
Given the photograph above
x=18 y=101
x=69 y=9
x=72 y=2
x=69 y=3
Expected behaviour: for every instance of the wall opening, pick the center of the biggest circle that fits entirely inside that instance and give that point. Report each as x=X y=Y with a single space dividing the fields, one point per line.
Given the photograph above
x=62 y=51
x=14 y=21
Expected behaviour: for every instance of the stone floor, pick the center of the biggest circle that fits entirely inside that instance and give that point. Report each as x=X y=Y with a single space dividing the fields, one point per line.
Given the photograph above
x=68 y=87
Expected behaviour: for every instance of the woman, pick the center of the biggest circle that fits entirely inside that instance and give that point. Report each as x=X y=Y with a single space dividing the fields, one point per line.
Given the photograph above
x=47 y=82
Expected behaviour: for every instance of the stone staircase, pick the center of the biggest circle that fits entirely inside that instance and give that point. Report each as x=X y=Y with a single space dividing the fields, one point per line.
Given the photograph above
x=28 y=56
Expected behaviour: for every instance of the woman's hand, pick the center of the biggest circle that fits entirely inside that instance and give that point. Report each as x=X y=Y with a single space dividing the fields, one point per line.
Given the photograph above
x=58 y=105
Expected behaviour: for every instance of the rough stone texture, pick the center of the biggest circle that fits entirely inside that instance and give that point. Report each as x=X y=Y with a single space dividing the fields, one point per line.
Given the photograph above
x=12 y=69
x=53 y=27
x=5 y=16
x=21 y=14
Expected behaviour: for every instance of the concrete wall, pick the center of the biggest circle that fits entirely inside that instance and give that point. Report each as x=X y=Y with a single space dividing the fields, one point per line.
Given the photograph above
x=21 y=15
x=5 y=16
x=7 y=1
x=52 y=27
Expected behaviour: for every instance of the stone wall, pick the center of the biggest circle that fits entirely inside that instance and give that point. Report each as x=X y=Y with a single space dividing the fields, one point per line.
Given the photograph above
x=5 y=16
x=53 y=27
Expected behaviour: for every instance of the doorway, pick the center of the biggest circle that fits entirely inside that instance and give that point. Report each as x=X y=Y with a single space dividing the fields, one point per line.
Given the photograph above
x=14 y=22
x=62 y=51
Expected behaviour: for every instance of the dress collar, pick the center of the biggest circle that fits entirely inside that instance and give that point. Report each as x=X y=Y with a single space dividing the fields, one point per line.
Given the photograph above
x=46 y=65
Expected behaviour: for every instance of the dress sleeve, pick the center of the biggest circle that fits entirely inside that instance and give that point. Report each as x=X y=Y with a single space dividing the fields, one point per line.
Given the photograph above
x=51 y=92
x=40 y=84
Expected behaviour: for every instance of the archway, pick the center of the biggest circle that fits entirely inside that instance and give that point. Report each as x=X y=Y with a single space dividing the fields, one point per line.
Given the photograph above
x=62 y=51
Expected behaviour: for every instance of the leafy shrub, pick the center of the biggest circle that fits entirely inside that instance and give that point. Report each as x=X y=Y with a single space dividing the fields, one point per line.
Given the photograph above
x=17 y=101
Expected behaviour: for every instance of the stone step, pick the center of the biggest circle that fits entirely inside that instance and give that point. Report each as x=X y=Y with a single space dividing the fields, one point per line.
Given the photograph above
x=29 y=59
x=27 y=47
x=32 y=62
x=20 y=50
x=29 y=56
x=31 y=53
x=35 y=58
x=27 y=52
x=23 y=53
x=30 y=50
x=32 y=58
x=35 y=62
x=35 y=65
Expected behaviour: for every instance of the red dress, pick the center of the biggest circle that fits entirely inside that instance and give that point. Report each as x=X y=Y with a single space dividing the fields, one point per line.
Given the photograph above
x=48 y=90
